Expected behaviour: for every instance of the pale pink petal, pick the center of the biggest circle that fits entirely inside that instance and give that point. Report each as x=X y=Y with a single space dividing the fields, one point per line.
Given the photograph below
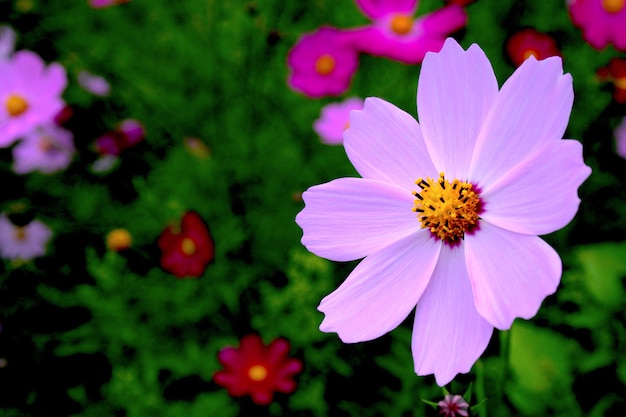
x=350 y=218
x=455 y=91
x=29 y=66
x=539 y=195
x=511 y=273
x=620 y=138
x=385 y=143
x=533 y=107
x=448 y=333
x=375 y=9
x=382 y=290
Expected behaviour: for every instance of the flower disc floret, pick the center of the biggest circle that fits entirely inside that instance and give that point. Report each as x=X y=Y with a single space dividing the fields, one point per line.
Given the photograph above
x=613 y=6
x=447 y=209
x=401 y=24
x=16 y=105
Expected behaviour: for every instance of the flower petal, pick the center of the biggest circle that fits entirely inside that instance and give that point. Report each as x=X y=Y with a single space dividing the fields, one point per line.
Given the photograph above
x=385 y=143
x=511 y=273
x=350 y=218
x=533 y=107
x=456 y=89
x=539 y=195
x=448 y=334
x=382 y=290
x=375 y=9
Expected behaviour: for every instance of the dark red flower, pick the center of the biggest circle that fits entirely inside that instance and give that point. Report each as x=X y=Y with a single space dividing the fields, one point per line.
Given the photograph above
x=188 y=249
x=615 y=72
x=257 y=370
x=127 y=134
x=529 y=42
x=460 y=2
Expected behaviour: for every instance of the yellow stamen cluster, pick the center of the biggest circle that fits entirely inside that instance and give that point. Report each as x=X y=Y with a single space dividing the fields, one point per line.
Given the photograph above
x=613 y=6
x=401 y=24
x=188 y=246
x=325 y=64
x=16 y=105
x=257 y=373
x=448 y=209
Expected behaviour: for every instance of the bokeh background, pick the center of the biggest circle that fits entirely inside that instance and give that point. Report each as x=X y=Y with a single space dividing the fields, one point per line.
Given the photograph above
x=91 y=331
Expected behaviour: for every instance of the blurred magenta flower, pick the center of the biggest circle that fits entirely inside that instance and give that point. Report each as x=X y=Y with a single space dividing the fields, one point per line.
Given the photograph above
x=187 y=249
x=530 y=42
x=322 y=63
x=30 y=94
x=615 y=73
x=126 y=134
x=257 y=370
x=452 y=406
x=460 y=2
x=94 y=84
x=492 y=174
x=99 y=4
x=602 y=21
x=335 y=119
x=47 y=149
x=7 y=42
x=620 y=138
x=396 y=34
x=23 y=242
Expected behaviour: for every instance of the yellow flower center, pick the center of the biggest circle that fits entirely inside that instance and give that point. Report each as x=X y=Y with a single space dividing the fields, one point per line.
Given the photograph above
x=16 y=105
x=448 y=209
x=20 y=233
x=325 y=64
x=188 y=246
x=613 y=6
x=401 y=24
x=257 y=373
x=118 y=239
x=620 y=83
x=530 y=52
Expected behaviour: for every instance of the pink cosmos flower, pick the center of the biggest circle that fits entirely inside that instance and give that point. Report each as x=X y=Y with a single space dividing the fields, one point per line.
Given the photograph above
x=30 y=94
x=447 y=211
x=452 y=406
x=46 y=149
x=620 y=138
x=23 y=242
x=397 y=35
x=322 y=63
x=335 y=119
x=529 y=42
x=94 y=84
x=602 y=21
x=99 y=4
x=258 y=370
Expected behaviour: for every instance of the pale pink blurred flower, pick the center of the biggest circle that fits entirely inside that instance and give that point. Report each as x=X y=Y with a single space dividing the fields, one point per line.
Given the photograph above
x=47 y=149
x=335 y=119
x=30 y=94
x=23 y=242
x=7 y=42
x=99 y=4
x=492 y=173
x=396 y=34
x=452 y=406
x=322 y=63
x=602 y=21
x=94 y=84
x=620 y=138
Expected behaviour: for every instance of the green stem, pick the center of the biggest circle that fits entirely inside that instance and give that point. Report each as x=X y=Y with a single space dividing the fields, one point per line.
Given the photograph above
x=480 y=388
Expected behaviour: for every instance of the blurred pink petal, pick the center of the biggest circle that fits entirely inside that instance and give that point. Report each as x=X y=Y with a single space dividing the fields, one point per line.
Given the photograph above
x=99 y=4
x=7 y=42
x=95 y=84
x=602 y=21
x=334 y=120
x=375 y=9
x=47 y=149
x=620 y=138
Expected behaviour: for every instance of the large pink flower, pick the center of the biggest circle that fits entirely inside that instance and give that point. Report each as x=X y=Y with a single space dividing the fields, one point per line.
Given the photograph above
x=396 y=34
x=30 y=94
x=492 y=173
x=602 y=21
x=322 y=63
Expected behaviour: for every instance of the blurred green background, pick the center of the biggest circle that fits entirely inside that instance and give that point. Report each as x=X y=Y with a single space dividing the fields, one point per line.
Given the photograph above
x=91 y=332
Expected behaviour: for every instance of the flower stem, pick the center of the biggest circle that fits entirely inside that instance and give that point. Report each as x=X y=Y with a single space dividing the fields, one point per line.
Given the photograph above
x=480 y=388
